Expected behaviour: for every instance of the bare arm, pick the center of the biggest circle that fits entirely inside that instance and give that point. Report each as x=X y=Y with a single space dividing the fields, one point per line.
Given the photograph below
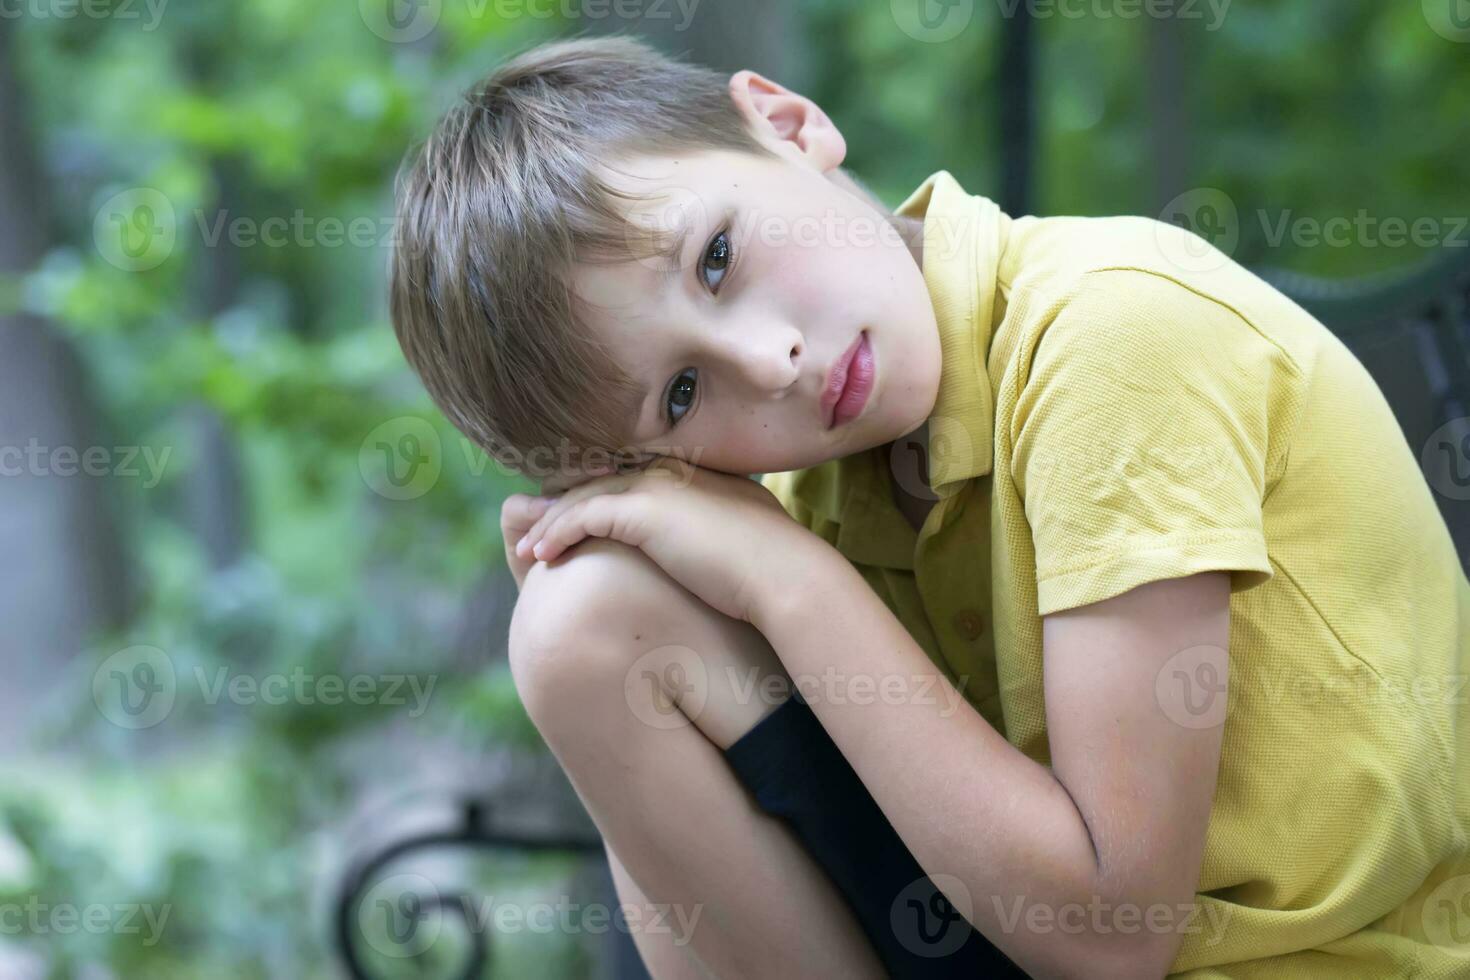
x=1120 y=818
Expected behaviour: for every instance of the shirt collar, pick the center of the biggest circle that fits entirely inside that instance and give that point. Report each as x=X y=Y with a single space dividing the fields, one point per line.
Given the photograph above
x=964 y=236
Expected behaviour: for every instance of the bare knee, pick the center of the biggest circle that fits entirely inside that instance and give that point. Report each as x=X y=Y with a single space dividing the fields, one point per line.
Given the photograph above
x=604 y=626
x=581 y=619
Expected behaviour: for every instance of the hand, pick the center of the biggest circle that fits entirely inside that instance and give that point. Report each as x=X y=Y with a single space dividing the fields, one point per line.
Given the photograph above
x=720 y=536
x=519 y=512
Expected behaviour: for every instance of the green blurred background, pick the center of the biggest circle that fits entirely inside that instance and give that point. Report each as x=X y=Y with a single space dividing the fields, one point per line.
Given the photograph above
x=226 y=500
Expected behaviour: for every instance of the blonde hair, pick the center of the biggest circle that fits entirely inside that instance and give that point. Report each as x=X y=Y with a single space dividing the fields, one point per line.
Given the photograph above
x=498 y=203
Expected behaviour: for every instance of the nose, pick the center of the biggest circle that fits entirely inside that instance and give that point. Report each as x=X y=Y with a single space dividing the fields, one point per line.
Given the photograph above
x=768 y=359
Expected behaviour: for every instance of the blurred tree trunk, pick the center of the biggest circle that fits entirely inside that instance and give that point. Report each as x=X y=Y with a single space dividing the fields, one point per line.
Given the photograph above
x=65 y=573
x=1170 y=118
x=1016 y=112
x=214 y=504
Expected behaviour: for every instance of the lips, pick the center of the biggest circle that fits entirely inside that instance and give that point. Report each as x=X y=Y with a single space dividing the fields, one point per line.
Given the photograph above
x=848 y=383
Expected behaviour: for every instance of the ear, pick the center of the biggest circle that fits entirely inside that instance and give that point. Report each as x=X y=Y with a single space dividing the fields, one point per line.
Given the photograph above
x=787 y=122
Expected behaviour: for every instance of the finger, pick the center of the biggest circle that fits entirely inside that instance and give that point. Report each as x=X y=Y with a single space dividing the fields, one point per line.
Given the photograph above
x=613 y=483
x=519 y=511
x=517 y=514
x=523 y=504
x=616 y=517
x=593 y=517
x=532 y=532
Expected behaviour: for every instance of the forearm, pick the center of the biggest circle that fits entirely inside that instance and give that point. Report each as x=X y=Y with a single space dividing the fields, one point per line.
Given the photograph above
x=976 y=808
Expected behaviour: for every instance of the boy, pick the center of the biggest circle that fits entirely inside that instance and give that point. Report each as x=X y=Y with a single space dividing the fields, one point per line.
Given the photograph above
x=1124 y=631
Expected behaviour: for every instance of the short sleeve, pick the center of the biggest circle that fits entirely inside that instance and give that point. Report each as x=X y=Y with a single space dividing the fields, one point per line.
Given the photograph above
x=1142 y=440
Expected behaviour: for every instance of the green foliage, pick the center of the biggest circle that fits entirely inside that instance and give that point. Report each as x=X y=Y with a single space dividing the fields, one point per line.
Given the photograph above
x=1300 y=111
x=240 y=113
x=219 y=812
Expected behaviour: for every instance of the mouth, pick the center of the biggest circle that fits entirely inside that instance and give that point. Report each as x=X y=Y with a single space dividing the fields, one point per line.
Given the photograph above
x=849 y=383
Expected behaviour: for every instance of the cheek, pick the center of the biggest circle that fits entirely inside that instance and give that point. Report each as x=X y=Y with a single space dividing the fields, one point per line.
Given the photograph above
x=796 y=274
x=746 y=438
x=867 y=283
x=819 y=280
x=750 y=443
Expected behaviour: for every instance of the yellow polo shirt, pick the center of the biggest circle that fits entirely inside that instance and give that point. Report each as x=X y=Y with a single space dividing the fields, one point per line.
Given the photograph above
x=1119 y=404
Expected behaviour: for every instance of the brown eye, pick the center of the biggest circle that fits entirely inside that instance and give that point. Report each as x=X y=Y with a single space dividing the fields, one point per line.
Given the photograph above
x=717 y=260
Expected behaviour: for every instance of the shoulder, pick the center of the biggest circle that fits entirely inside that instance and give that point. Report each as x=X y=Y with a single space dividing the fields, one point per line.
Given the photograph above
x=1133 y=276
x=1142 y=362
x=1132 y=323
x=1064 y=247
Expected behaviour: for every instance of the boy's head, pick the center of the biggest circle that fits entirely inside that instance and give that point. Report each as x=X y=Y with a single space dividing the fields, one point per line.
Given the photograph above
x=602 y=249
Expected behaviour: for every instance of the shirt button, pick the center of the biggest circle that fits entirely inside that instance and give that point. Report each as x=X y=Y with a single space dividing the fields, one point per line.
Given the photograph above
x=968 y=623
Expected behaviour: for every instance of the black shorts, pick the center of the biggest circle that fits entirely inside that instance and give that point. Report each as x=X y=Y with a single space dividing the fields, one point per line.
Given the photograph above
x=797 y=773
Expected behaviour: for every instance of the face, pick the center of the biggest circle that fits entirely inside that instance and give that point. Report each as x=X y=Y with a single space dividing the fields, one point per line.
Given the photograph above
x=737 y=339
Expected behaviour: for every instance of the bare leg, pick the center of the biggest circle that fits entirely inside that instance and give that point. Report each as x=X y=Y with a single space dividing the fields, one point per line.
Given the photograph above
x=664 y=960
x=637 y=687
